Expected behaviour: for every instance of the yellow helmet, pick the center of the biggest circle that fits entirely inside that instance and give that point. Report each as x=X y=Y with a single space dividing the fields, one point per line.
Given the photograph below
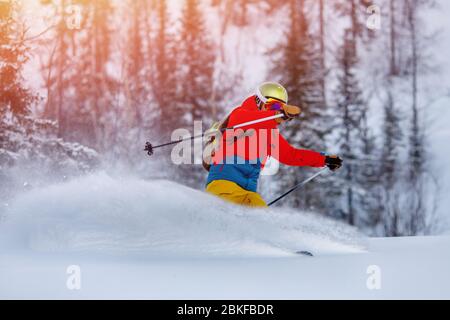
x=271 y=90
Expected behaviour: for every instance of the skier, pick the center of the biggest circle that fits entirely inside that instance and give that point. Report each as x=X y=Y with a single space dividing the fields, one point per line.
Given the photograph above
x=234 y=164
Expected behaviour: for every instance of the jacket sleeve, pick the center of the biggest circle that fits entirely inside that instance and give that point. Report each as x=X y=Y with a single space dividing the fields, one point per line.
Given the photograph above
x=241 y=115
x=288 y=155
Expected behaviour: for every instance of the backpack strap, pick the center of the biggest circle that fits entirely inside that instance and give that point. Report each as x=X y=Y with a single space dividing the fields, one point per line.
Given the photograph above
x=217 y=126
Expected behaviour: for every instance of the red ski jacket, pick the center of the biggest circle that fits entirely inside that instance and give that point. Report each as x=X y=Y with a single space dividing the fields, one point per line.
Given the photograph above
x=258 y=141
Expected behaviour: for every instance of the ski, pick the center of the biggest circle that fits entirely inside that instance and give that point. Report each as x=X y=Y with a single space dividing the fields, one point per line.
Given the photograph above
x=305 y=253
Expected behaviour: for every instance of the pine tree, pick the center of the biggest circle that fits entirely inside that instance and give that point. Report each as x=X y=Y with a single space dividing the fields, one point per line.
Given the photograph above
x=25 y=140
x=58 y=71
x=136 y=79
x=390 y=168
x=417 y=153
x=351 y=111
x=355 y=10
x=80 y=89
x=95 y=87
x=393 y=38
x=14 y=54
x=15 y=98
x=196 y=75
x=369 y=198
x=295 y=64
x=135 y=114
x=164 y=80
x=197 y=58
x=322 y=27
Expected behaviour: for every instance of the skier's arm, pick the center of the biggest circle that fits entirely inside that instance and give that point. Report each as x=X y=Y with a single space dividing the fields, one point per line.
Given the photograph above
x=291 y=156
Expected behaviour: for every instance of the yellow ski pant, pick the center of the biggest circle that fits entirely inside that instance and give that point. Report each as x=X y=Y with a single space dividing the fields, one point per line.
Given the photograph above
x=232 y=192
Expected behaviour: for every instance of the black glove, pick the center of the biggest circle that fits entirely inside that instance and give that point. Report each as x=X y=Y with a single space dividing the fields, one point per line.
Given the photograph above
x=333 y=162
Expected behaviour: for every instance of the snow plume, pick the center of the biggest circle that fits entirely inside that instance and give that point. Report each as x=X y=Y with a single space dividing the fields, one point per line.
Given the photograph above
x=125 y=216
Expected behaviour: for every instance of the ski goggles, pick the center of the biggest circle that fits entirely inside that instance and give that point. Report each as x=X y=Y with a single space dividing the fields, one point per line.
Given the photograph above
x=274 y=105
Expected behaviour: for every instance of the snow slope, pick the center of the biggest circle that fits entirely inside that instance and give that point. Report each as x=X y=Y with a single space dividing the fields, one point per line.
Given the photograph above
x=121 y=216
x=140 y=239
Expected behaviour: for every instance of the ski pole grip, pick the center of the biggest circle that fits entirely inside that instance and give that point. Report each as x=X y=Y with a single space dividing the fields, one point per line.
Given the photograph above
x=149 y=148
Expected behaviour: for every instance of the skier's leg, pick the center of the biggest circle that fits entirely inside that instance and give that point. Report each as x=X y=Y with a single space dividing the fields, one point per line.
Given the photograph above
x=253 y=199
x=227 y=190
x=232 y=192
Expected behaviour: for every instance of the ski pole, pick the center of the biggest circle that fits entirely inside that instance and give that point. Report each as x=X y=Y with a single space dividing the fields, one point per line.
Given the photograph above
x=149 y=147
x=301 y=184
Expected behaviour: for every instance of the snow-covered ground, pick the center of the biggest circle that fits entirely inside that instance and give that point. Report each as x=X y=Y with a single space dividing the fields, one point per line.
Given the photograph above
x=139 y=239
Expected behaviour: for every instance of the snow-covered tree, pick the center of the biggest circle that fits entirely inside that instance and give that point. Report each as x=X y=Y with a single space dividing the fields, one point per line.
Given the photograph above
x=355 y=11
x=57 y=69
x=164 y=78
x=96 y=87
x=417 y=152
x=368 y=179
x=351 y=110
x=135 y=115
x=81 y=89
x=26 y=141
x=196 y=57
x=390 y=170
x=297 y=65
x=14 y=53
